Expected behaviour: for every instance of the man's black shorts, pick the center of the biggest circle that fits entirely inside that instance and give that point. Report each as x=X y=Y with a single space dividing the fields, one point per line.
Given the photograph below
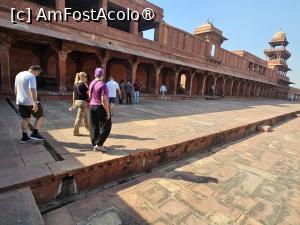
x=25 y=111
x=112 y=100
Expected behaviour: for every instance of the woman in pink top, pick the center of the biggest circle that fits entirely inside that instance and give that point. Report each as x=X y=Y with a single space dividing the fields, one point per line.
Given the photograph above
x=100 y=118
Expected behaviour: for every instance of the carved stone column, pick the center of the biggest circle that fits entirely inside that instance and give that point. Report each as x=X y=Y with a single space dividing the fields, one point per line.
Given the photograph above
x=177 y=71
x=5 y=43
x=104 y=57
x=224 y=86
x=134 y=27
x=238 y=90
x=60 y=5
x=62 y=58
x=191 y=82
x=244 y=91
x=159 y=33
x=203 y=84
x=157 y=75
x=216 y=89
x=259 y=91
x=103 y=5
x=231 y=88
x=134 y=63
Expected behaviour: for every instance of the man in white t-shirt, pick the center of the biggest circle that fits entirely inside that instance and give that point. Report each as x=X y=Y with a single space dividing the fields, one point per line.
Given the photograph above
x=26 y=99
x=113 y=90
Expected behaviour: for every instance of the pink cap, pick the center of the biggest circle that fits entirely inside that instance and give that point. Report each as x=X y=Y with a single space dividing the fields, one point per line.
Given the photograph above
x=99 y=72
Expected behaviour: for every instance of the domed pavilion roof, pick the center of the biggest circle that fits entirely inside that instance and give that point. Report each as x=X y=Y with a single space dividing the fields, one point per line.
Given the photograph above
x=279 y=36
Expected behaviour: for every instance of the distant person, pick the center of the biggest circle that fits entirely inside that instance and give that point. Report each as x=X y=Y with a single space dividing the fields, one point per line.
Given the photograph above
x=212 y=89
x=113 y=90
x=137 y=91
x=128 y=91
x=122 y=92
x=26 y=99
x=100 y=119
x=80 y=102
x=163 y=91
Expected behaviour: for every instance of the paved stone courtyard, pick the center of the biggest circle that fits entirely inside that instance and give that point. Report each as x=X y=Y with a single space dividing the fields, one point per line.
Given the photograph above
x=253 y=181
x=250 y=182
x=136 y=128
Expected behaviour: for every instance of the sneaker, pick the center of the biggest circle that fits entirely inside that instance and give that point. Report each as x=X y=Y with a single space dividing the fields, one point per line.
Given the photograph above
x=25 y=140
x=99 y=149
x=103 y=149
x=37 y=137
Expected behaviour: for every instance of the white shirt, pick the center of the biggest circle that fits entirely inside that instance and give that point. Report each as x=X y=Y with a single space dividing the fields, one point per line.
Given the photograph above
x=112 y=86
x=23 y=83
x=163 y=88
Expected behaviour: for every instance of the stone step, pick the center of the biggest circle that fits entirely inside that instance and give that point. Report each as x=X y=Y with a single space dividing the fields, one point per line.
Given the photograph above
x=18 y=207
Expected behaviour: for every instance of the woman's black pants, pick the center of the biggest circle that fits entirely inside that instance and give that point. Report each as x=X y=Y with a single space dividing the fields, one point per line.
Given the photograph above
x=100 y=127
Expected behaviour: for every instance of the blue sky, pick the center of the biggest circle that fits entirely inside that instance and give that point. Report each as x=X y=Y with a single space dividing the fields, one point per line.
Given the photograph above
x=248 y=24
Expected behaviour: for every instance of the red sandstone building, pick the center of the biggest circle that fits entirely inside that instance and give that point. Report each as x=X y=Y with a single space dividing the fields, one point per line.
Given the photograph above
x=187 y=63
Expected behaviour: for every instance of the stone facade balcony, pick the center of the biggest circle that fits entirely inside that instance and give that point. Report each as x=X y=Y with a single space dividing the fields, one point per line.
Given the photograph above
x=276 y=52
x=172 y=46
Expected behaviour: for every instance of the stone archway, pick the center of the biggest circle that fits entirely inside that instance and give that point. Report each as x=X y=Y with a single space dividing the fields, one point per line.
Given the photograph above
x=235 y=89
x=119 y=69
x=241 y=89
x=88 y=65
x=78 y=61
x=228 y=83
x=253 y=87
x=219 y=87
x=209 y=84
x=182 y=84
x=23 y=54
x=167 y=77
x=146 y=76
x=196 y=84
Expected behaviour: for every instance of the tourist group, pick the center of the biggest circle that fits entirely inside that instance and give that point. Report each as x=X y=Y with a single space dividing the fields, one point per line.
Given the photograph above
x=97 y=98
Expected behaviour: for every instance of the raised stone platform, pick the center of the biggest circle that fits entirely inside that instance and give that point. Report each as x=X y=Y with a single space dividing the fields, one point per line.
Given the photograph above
x=143 y=136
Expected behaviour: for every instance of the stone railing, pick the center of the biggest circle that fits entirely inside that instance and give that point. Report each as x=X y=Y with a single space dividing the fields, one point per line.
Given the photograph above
x=282 y=77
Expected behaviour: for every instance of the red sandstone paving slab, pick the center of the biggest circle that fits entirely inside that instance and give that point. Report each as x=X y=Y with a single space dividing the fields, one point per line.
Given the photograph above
x=30 y=148
x=16 y=159
x=60 y=216
x=192 y=219
x=19 y=207
x=7 y=148
x=141 y=207
x=81 y=209
x=9 y=162
x=38 y=158
x=17 y=177
x=144 y=183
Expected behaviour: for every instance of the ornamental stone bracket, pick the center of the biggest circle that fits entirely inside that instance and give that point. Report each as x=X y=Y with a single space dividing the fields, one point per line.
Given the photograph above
x=5 y=40
x=213 y=60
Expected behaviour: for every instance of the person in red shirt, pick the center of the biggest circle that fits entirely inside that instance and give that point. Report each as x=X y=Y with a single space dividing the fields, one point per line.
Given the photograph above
x=137 y=91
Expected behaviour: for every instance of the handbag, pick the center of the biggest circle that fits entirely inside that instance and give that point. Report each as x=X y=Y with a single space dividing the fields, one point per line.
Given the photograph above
x=76 y=85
